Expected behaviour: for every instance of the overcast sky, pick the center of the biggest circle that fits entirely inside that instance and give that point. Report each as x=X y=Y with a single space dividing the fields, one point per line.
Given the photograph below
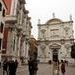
x=43 y=9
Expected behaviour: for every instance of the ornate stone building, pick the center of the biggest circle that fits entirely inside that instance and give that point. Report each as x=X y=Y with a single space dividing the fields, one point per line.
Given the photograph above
x=17 y=29
x=3 y=10
x=55 y=37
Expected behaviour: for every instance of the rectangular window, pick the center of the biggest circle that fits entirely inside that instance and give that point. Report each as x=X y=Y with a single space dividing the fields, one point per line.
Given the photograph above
x=3 y=14
x=0 y=7
x=13 y=44
x=54 y=33
x=1 y=27
x=0 y=43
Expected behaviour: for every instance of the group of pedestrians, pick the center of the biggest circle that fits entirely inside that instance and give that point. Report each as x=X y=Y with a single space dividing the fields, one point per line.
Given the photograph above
x=59 y=66
x=10 y=67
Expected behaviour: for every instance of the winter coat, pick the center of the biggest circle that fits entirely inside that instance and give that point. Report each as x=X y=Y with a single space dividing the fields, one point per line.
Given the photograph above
x=63 y=67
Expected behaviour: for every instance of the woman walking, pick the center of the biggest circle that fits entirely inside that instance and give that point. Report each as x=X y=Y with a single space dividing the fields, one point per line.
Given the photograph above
x=63 y=68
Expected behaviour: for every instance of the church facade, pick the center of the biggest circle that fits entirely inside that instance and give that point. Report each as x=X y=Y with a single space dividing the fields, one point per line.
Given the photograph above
x=55 y=37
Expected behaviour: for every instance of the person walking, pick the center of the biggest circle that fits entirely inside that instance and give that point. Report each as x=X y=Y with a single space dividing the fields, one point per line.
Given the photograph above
x=32 y=53
x=63 y=68
x=16 y=66
x=11 y=65
x=0 y=64
x=5 y=66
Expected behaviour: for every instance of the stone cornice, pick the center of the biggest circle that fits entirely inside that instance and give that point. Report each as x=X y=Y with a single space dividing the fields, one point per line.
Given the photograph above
x=10 y=19
x=56 y=23
x=55 y=40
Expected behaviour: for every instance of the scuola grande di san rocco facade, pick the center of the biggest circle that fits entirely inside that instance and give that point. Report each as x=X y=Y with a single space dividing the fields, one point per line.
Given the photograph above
x=55 y=37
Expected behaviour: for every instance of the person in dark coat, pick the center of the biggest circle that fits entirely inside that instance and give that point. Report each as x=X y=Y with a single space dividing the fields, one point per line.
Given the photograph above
x=0 y=64
x=5 y=65
x=33 y=52
x=63 y=68
x=16 y=66
x=11 y=65
x=31 y=70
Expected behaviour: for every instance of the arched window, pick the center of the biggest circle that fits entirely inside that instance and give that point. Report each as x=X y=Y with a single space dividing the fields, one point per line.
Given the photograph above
x=0 y=7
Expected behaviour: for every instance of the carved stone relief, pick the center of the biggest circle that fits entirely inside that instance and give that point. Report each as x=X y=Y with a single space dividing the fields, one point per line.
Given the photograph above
x=66 y=30
x=43 y=47
x=47 y=42
x=56 y=46
x=62 y=41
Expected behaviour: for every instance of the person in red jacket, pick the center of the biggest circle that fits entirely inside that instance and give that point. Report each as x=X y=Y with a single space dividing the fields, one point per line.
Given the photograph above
x=63 y=67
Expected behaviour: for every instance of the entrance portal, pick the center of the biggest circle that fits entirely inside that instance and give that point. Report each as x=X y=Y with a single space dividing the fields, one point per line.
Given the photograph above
x=55 y=48
x=55 y=55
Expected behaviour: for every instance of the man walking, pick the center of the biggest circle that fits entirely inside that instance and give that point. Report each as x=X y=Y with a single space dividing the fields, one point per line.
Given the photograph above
x=5 y=66
x=33 y=52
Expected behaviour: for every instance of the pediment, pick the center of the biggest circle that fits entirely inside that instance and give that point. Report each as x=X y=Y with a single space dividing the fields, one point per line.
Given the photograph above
x=54 y=21
x=52 y=46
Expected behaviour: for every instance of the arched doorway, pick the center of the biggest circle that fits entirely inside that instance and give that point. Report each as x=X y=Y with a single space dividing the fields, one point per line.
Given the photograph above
x=55 y=51
x=55 y=55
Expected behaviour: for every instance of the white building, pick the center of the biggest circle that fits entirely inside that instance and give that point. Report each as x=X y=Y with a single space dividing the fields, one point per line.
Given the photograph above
x=55 y=37
x=17 y=30
x=2 y=24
